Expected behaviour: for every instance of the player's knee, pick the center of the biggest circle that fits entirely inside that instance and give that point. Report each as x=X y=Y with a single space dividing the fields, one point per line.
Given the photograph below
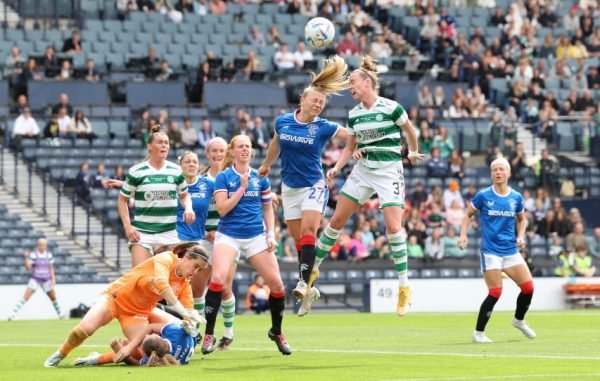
x=336 y=222
x=527 y=287
x=495 y=292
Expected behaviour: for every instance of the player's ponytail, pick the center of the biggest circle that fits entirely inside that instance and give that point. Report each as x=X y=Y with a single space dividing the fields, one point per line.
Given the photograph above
x=368 y=69
x=155 y=360
x=158 y=352
x=332 y=79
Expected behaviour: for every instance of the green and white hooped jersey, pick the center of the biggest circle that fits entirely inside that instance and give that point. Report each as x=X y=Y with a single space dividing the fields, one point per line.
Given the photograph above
x=377 y=131
x=155 y=192
x=212 y=219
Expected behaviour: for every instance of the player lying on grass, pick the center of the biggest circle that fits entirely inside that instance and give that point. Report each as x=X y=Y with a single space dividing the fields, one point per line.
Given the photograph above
x=168 y=343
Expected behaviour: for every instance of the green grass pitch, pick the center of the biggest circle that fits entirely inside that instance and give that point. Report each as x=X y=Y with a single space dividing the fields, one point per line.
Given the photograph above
x=340 y=346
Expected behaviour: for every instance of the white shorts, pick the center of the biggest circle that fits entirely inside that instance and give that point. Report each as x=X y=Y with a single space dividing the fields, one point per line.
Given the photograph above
x=297 y=200
x=387 y=182
x=34 y=284
x=150 y=241
x=496 y=262
x=247 y=246
x=209 y=248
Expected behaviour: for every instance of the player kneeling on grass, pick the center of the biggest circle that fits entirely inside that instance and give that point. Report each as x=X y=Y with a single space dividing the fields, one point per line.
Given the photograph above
x=498 y=206
x=132 y=298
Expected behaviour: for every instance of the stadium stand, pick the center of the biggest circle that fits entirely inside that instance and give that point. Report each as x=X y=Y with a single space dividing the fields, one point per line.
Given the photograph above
x=472 y=65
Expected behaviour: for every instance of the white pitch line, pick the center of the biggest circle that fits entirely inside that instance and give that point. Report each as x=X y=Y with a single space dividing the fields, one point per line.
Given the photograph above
x=567 y=376
x=356 y=351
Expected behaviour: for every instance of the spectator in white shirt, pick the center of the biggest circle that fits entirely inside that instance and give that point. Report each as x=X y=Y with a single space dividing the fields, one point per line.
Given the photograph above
x=284 y=59
x=301 y=55
x=189 y=135
x=380 y=48
x=25 y=128
x=66 y=127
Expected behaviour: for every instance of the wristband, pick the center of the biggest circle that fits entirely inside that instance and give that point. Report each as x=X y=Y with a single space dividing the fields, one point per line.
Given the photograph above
x=242 y=189
x=413 y=153
x=271 y=233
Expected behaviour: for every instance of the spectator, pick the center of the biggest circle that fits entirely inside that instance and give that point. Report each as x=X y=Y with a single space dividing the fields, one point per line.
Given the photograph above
x=201 y=7
x=165 y=71
x=274 y=37
x=308 y=8
x=189 y=135
x=470 y=193
x=14 y=63
x=72 y=45
x=434 y=246
x=17 y=109
x=571 y=20
x=563 y=268
x=425 y=99
x=206 y=133
x=301 y=55
x=100 y=177
x=444 y=142
x=82 y=185
x=49 y=59
x=293 y=7
x=594 y=243
x=548 y=173
x=257 y=296
x=425 y=139
x=456 y=164
x=66 y=127
x=576 y=238
x=25 y=127
x=418 y=196
x=140 y=126
x=518 y=161
x=455 y=214
x=66 y=71
x=124 y=7
x=63 y=101
x=439 y=98
x=150 y=61
x=413 y=248
x=284 y=59
x=256 y=38
x=254 y=64
x=51 y=128
x=91 y=74
x=146 y=6
x=83 y=127
x=184 y=6
x=581 y=263
x=436 y=165
x=30 y=73
x=451 y=194
x=218 y=7
x=380 y=49
x=450 y=242
x=174 y=135
x=348 y=46
x=260 y=136
x=118 y=173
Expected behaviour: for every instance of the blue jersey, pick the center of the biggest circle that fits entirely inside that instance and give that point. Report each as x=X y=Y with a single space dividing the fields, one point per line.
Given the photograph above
x=497 y=217
x=201 y=193
x=245 y=220
x=301 y=145
x=182 y=343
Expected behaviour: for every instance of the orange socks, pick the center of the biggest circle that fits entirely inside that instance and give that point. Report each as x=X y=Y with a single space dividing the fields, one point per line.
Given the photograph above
x=75 y=338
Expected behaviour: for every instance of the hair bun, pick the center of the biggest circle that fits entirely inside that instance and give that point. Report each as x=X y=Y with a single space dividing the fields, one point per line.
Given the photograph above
x=156 y=128
x=368 y=63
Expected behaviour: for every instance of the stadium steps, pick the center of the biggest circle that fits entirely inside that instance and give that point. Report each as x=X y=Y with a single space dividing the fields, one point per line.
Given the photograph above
x=11 y=15
x=532 y=145
x=49 y=224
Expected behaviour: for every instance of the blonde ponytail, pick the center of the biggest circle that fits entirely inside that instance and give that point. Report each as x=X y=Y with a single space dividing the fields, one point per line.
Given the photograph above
x=368 y=69
x=332 y=79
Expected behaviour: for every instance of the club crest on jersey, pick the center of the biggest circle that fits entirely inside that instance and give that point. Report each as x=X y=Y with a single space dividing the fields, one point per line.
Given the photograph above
x=170 y=179
x=202 y=187
x=379 y=117
x=255 y=182
x=312 y=129
x=513 y=205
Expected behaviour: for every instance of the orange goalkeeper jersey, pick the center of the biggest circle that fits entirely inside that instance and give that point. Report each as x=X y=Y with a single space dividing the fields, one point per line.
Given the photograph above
x=138 y=291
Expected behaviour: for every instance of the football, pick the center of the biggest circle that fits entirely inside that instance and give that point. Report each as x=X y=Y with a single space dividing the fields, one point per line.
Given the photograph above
x=319 y=32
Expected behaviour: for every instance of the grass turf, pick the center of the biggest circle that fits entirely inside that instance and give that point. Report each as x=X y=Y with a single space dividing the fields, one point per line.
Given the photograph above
x=340 y=347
